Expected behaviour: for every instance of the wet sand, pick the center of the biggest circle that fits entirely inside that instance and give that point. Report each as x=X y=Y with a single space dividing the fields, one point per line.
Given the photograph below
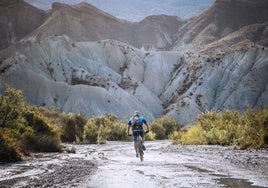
x=114 y=165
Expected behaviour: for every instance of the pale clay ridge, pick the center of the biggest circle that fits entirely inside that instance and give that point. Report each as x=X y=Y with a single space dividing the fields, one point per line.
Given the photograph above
x=110 y=76
x=209 y=69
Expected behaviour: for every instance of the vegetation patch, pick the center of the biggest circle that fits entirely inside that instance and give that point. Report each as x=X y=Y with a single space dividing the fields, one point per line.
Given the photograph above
x=23 y=128
x=163 y=127
x=246 y=130
x=102 y=128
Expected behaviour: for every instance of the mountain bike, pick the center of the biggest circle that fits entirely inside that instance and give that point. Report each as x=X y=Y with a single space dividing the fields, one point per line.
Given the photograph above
x=140 y=148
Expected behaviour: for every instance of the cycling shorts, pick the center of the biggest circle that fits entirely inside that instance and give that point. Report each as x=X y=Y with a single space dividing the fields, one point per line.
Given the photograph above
x=136 y=133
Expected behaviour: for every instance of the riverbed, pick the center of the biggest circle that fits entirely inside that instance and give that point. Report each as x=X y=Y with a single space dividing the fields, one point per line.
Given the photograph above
x=114 y=164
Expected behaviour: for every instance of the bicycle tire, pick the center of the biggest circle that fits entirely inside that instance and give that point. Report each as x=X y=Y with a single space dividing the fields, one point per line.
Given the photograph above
x=141 y=157
x=141 y=153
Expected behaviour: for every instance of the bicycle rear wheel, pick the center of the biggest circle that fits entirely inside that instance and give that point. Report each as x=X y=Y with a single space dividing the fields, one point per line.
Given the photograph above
x=141 y=153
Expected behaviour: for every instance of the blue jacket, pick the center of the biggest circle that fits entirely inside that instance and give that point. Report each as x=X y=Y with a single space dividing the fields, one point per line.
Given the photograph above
x=141 y=121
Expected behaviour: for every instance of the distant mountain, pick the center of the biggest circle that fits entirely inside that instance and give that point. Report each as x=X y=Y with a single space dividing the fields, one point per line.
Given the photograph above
x=137 y=10
x=221 y=19
x=17 y=20
x=81 y=59
x=84 y=22
x=244 y=38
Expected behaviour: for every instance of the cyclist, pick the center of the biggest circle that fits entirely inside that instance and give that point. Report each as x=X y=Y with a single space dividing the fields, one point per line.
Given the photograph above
x=136 y=123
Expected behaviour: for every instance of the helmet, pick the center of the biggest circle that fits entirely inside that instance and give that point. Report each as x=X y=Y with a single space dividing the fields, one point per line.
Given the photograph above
x=136 y=113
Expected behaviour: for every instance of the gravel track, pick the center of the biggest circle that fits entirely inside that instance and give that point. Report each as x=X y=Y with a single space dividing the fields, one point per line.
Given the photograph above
x=165 y=165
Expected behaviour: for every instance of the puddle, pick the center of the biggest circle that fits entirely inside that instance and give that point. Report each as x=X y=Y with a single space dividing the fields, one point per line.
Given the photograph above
x=235 y=183
x=198 y=169
x=226 y=181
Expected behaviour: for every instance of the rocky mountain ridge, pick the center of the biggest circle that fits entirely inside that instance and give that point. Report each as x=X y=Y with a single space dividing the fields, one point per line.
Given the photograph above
x=221 y=19
x=204 y=70
x=137 y=10
x=17 y=20
x=84 y=22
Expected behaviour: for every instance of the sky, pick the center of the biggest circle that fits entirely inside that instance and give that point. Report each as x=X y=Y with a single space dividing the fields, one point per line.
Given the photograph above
x=136 y=10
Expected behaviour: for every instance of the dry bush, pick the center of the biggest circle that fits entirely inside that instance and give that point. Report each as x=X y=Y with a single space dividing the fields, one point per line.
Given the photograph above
x=9 y=146
x=73 y=127
x=23 y=128
x=246 y=130
x=102 y=128
x=164 y=126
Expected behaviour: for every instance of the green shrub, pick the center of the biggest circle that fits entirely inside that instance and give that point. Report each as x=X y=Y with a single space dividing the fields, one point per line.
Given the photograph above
x=176 y=137
x=9 y=146
x=150 y=136
x=249 y=129
x=159 y=130
x=102 y=128
x=23 y=128
x=253 y=128
x=12 y=124
x=117 y=128
x=11 y=108
x=98 y=129
x=91 y=132
x=170 y=125
x=194 y=135
x=73 y=127
x=219 y=128
x=163 y=127
x=41 y=136
x=216 y=136
x=118 y=131
x=37 y=121
x=265 y=130
x=41 y=142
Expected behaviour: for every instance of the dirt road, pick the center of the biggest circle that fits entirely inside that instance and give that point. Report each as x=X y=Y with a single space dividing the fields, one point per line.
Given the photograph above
x=115 y=165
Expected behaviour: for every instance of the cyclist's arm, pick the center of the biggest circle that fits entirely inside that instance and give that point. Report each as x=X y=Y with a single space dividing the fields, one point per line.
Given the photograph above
x=147 y=126
x=145 y=123
x=128 y=128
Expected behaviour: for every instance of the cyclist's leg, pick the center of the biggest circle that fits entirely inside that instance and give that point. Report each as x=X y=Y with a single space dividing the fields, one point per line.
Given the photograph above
x=136 y=147
x=142 y=133
x=136 y=144
x=143 y=139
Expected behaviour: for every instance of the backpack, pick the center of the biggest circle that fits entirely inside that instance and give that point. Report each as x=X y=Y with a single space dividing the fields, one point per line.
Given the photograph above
x=136 y=121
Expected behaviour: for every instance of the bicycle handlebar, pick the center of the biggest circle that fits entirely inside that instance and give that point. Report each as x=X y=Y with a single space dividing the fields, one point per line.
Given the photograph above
x=144 y=133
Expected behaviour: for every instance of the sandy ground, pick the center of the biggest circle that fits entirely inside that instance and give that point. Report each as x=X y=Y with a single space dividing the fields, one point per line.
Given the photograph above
x=115 y=165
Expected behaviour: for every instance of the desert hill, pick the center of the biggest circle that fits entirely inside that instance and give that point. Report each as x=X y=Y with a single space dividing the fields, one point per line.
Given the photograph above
x=242 y=39
x=221 y=19
x=84 y=22
x=137 y=10
x=17 y=20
